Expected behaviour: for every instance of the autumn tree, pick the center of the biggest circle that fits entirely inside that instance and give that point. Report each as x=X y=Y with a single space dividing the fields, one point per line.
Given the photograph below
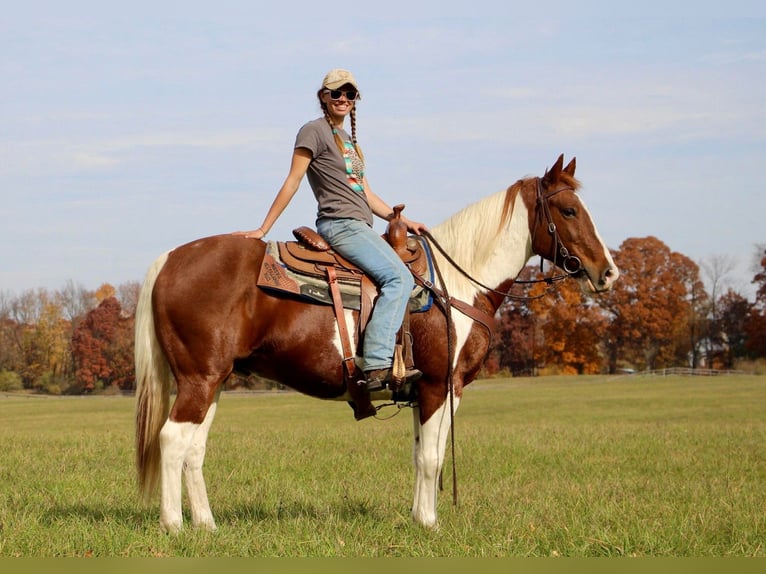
x=514 y=340
x=102 y=347
x=555 y=326
x=728 y=327
x=36 y=337
x=105 y=291
x=571 y=329
x=755 y=324
x=650 y=308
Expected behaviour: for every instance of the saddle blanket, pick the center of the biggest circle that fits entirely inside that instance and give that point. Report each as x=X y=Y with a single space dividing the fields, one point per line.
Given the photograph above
x=274 y=275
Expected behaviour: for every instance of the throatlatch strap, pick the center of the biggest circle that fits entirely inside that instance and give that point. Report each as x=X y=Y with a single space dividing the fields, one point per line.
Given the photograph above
x=337 y=303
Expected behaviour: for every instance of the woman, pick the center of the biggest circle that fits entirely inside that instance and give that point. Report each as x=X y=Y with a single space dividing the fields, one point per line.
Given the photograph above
x=346 y=205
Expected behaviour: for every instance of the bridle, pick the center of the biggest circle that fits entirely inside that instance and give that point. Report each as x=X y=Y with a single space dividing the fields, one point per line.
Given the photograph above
x=570 y=264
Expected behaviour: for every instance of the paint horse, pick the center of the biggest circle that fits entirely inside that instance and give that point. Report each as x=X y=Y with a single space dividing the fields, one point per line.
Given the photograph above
x=201 y=316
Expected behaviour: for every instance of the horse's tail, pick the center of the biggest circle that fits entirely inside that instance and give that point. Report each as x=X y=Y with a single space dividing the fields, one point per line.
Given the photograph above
x=153 y=381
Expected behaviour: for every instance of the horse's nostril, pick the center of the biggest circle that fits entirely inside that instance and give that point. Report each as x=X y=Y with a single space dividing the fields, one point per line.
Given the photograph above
x=610 y=275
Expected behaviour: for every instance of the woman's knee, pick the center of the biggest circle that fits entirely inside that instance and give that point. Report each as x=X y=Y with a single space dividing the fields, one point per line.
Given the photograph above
x=399 y=281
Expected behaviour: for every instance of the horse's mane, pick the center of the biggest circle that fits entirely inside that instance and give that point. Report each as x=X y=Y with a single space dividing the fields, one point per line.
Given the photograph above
x=470 y=236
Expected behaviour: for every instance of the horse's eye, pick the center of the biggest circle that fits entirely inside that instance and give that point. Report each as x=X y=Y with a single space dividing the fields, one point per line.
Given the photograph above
x=569 y=212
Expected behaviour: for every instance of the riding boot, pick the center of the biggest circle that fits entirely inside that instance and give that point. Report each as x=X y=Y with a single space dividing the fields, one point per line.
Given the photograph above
x=379 y=379
x=360 y=398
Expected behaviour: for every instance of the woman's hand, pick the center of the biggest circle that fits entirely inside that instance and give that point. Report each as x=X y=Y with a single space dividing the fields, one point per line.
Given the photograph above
x=414 y=226
x=254 y=234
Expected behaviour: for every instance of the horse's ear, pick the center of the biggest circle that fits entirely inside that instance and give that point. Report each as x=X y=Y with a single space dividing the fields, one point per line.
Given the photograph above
x=570 y=168
x=552 y=175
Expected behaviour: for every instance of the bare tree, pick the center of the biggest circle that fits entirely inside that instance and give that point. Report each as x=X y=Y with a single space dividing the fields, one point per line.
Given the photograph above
x=716 y=271
x=127 y=295
x=75 y=301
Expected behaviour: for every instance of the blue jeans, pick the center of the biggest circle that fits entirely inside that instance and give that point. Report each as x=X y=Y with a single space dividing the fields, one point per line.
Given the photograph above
x=360 y=244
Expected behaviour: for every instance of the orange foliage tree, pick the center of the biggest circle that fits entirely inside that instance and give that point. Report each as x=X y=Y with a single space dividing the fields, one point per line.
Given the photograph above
x=652 y=307
x=571 y=328
x=556 y=329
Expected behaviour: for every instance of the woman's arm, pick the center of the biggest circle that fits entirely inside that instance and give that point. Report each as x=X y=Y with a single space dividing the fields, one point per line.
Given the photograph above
x=298 y=167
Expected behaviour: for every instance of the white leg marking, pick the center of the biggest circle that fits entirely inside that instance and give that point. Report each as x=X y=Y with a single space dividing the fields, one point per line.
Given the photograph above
x=174 y=443
x=428 y=457
x=202 y=517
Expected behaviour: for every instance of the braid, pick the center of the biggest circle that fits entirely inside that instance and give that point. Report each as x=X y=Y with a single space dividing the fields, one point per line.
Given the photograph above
x=353 y=133
x=338 y=141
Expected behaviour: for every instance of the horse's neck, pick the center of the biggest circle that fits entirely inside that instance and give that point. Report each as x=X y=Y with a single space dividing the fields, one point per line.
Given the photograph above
x=488 y=251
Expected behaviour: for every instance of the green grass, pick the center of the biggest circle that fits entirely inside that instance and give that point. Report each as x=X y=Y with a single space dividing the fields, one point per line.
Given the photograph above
x=586 y=466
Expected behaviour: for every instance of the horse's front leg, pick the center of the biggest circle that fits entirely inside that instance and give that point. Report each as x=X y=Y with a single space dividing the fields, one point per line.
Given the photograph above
x=202 y=516
x=430 y=443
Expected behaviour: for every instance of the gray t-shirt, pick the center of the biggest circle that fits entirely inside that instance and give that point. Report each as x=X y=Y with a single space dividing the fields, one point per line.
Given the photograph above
x=335 y=180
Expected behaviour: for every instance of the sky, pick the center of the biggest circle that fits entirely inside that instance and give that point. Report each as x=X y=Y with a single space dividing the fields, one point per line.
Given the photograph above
x=129 y=128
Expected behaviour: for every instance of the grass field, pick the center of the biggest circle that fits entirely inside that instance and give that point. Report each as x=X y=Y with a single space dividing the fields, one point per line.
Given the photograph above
x=576 y=466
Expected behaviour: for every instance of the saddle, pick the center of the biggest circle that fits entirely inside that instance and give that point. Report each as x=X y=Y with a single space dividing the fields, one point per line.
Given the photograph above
x=311 y=256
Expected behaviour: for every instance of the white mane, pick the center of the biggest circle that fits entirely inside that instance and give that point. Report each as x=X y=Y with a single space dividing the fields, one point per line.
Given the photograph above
x=489 y=239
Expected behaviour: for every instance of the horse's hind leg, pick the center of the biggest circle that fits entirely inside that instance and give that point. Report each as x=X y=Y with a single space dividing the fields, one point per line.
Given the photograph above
x=175 y=439
x=182 y=443
x=202 y=517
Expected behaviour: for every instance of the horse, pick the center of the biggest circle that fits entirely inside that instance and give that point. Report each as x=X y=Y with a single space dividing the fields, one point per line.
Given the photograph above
x=200 y=317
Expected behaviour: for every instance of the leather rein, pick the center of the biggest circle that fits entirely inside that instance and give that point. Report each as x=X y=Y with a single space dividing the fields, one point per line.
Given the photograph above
x=571 y=265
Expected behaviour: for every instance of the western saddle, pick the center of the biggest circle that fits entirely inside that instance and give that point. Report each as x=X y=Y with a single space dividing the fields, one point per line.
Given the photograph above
x=312 y=256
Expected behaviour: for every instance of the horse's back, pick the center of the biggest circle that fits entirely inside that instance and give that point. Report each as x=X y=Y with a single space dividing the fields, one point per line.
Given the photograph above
x=219 y=262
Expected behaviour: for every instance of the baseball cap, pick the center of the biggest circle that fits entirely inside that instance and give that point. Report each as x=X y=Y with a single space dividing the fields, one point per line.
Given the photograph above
x=337 y=77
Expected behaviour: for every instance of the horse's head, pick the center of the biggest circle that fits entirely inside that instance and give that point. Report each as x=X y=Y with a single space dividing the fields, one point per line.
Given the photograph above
x=563 y=231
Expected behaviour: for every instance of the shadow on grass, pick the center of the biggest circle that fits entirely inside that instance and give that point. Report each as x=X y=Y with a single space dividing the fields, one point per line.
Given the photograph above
x=285 y=509
x=136 y=516
x=127 y=515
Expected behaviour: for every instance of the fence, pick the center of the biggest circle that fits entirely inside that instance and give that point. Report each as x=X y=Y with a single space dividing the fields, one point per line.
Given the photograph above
x=688 y=372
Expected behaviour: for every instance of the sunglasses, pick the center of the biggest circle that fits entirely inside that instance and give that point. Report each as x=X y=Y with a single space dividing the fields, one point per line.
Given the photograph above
x=351 y=95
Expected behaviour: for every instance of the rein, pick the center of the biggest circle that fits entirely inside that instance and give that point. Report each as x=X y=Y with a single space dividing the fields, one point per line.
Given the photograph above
x=570 y=264
x=446 y=304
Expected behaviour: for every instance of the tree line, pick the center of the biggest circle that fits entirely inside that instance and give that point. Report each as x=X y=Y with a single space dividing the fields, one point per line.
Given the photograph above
x=660 y=314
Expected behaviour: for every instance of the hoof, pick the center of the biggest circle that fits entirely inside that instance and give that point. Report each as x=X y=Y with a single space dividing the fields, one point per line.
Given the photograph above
x=171 y=527
x=207 y=525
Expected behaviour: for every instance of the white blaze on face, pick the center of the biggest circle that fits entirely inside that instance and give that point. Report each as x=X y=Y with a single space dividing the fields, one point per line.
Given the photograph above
x=595 y=274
